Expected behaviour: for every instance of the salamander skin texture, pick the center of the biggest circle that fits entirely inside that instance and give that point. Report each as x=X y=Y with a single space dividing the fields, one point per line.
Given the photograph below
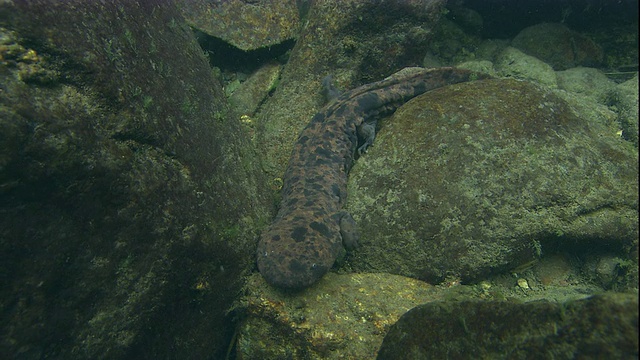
x=311 y=230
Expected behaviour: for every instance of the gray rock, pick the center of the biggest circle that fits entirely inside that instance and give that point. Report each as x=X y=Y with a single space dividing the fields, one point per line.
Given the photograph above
x=512 y=62
x=483 y=177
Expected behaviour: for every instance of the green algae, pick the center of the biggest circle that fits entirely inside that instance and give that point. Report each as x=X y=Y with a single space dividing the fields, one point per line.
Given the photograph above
x=121 y=186
x=499 y=172
x=600 y=326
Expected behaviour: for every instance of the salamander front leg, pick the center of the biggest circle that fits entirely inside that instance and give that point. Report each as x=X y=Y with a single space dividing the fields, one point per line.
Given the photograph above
x=367 y=133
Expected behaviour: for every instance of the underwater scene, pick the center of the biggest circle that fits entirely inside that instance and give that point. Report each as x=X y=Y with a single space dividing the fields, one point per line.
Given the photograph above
x=319 y=179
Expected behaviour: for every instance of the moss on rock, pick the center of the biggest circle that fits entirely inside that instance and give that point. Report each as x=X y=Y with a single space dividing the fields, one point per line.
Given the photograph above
x=603 y=326
x=483 y=177
x=123 y=183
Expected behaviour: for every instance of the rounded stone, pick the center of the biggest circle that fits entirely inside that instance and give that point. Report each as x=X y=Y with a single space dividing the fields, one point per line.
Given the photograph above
x=481 y=177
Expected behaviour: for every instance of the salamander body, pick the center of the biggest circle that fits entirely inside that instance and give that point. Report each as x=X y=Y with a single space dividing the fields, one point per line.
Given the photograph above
x=311 y=230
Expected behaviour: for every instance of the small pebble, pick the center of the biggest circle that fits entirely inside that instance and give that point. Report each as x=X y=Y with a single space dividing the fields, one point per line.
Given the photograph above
x=523 y=283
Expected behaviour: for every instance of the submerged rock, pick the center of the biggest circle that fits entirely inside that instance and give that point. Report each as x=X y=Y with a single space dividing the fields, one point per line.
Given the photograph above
x=603 y=326
x=587 y=82
x=512 y=62
x=250 y=94
x=625 y=98
x=356 y=41
x=343 y=316
x=483 y=177
x=127 y=217
x=247 y=25
x=558 y=46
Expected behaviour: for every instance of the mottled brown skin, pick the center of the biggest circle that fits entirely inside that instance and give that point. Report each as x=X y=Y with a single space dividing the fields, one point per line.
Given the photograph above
x=305 y=239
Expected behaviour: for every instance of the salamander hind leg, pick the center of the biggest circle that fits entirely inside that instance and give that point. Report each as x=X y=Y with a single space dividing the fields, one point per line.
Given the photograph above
x=348 y=231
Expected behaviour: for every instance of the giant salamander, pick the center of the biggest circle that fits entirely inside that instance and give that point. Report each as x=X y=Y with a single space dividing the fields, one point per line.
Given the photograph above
x=311 y=230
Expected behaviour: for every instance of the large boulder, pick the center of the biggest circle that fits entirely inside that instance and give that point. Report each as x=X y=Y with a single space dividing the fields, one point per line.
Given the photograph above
x=247 y=25
x=600 y=327
x=558 y=46
x=484 y=177
x=129 y=201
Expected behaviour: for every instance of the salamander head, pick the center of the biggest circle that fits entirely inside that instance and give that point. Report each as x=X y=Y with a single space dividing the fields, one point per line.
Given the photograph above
x=295 y=257
x=289 y=272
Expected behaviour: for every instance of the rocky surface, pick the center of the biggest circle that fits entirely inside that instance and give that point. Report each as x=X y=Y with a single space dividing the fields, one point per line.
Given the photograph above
x=247 y=25
x=625 y=99
x=356 y=41
x=249 y=95
x=558 y=46
x=486 y=176
x=130 y=199
x=603 y=326
x=587 y=82
x=349 y=315
x=129 y=204
x=512 y=62
x=340 y=317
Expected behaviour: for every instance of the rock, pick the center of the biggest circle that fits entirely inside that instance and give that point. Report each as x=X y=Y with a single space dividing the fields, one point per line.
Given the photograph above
x=451 y=43
x=482 y=177
x=356 y=41
x=586 y=81
x=468 y=19
x=558 y=46
x=483 y=66
x=129 y=203
x=606 y=270
x=511 y=62
x=489 y=48
x=603 y=326
x=348 y=315
x=554 y=270
x=247 y=25
x=342 y=316
x=250 y=94
x=625 y=99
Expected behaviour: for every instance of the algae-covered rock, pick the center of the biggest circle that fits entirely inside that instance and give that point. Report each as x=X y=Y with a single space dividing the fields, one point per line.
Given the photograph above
x=247 y=25
x=486 y=176
x=625 y=98
x=586 y=81
x=343 y=316
x=511 y=62
x=129 y=205
x=250 y=94
x=348 y=315
x=356 y=41
x=558 y=46
x=601 y=327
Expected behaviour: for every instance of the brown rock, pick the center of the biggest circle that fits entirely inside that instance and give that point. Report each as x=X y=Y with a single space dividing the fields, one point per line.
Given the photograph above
x=342 y=316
